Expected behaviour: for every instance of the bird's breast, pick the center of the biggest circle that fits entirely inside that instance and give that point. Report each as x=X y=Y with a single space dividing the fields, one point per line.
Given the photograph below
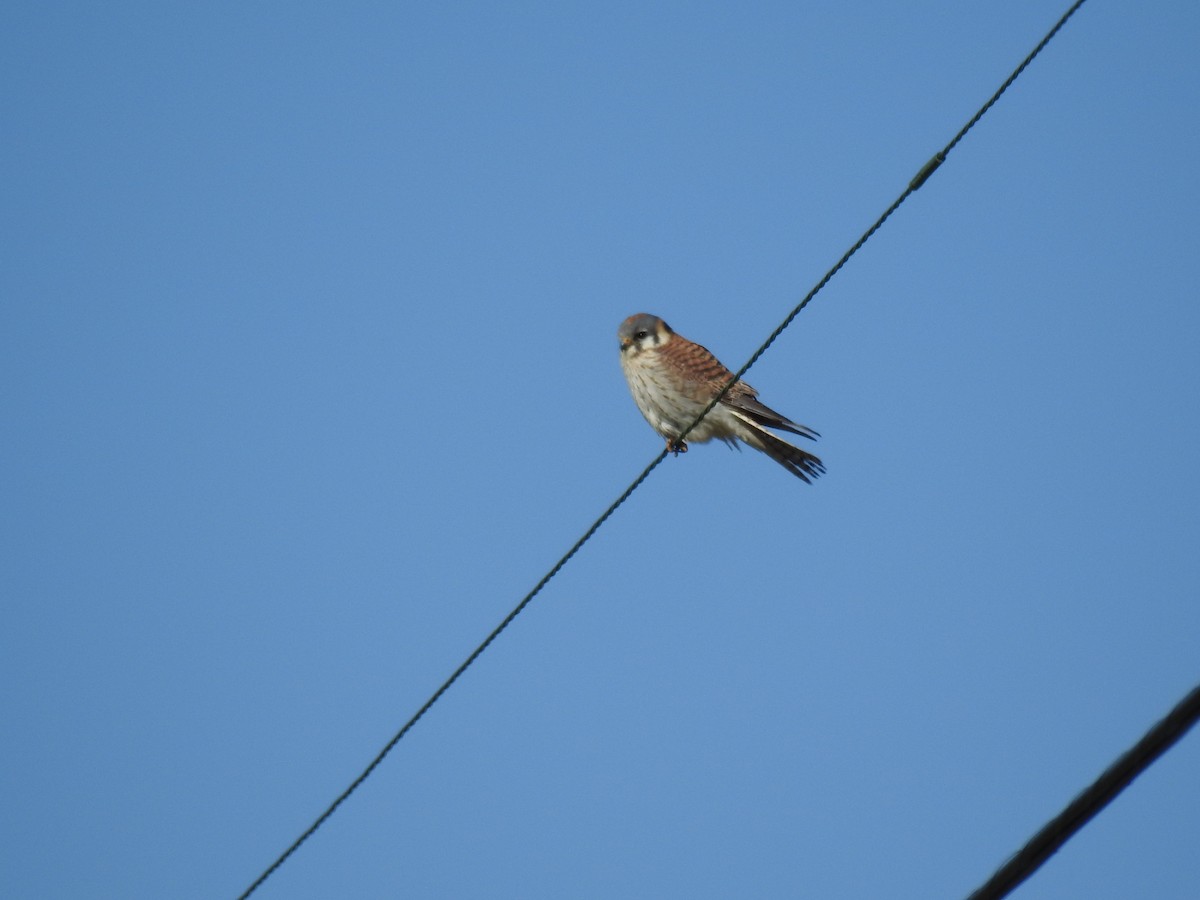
x=665 y=399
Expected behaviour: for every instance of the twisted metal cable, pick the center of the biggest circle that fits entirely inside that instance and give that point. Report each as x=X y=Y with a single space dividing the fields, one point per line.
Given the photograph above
x=913 y=186
x=921 y=177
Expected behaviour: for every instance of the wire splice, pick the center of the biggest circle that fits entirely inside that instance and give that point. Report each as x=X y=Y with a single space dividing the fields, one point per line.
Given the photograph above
x=926 y=170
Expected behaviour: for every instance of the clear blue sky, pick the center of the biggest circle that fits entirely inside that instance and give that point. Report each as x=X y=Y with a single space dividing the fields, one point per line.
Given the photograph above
x=309 y=372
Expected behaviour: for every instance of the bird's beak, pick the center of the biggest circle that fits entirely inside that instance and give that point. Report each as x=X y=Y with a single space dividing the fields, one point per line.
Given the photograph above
x=626 y=343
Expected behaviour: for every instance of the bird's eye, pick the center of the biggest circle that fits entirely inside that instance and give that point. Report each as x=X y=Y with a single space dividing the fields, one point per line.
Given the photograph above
x=641 y=335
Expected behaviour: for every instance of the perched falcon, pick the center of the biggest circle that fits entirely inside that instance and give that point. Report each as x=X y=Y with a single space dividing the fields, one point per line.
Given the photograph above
x=672 y=380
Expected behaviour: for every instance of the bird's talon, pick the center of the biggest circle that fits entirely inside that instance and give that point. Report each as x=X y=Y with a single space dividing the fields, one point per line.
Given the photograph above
x=677 y=447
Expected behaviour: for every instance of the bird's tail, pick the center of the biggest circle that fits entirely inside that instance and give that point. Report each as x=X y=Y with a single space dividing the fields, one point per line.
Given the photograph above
x=799 y=462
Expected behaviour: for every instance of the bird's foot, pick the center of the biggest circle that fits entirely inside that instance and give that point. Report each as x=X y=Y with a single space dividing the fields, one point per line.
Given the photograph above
x=677 y=447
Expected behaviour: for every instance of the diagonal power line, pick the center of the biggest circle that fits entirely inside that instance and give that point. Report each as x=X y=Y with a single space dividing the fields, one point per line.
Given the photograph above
x=913 y=186
x=1157 y=741
x=921 y=177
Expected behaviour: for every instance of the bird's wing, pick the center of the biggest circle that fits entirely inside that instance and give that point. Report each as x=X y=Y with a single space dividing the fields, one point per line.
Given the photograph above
x=799 y=462
x=743 y=399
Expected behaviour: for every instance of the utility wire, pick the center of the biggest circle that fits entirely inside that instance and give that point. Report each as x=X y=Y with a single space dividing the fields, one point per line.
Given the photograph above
x=454 y=677
x=1157 y=741
x=921 y=177
x=913 y=186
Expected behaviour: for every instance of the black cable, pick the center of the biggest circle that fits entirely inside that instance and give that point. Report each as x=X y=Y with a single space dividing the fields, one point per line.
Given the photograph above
x=913 y=186
x=454 y=677
x=1157 y=741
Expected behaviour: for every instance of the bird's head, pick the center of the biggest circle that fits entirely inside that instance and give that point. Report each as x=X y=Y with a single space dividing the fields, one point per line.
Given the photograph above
x=643 y=332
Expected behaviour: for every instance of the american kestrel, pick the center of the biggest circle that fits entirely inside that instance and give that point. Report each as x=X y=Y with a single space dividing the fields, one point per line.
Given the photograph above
x=672 y=380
